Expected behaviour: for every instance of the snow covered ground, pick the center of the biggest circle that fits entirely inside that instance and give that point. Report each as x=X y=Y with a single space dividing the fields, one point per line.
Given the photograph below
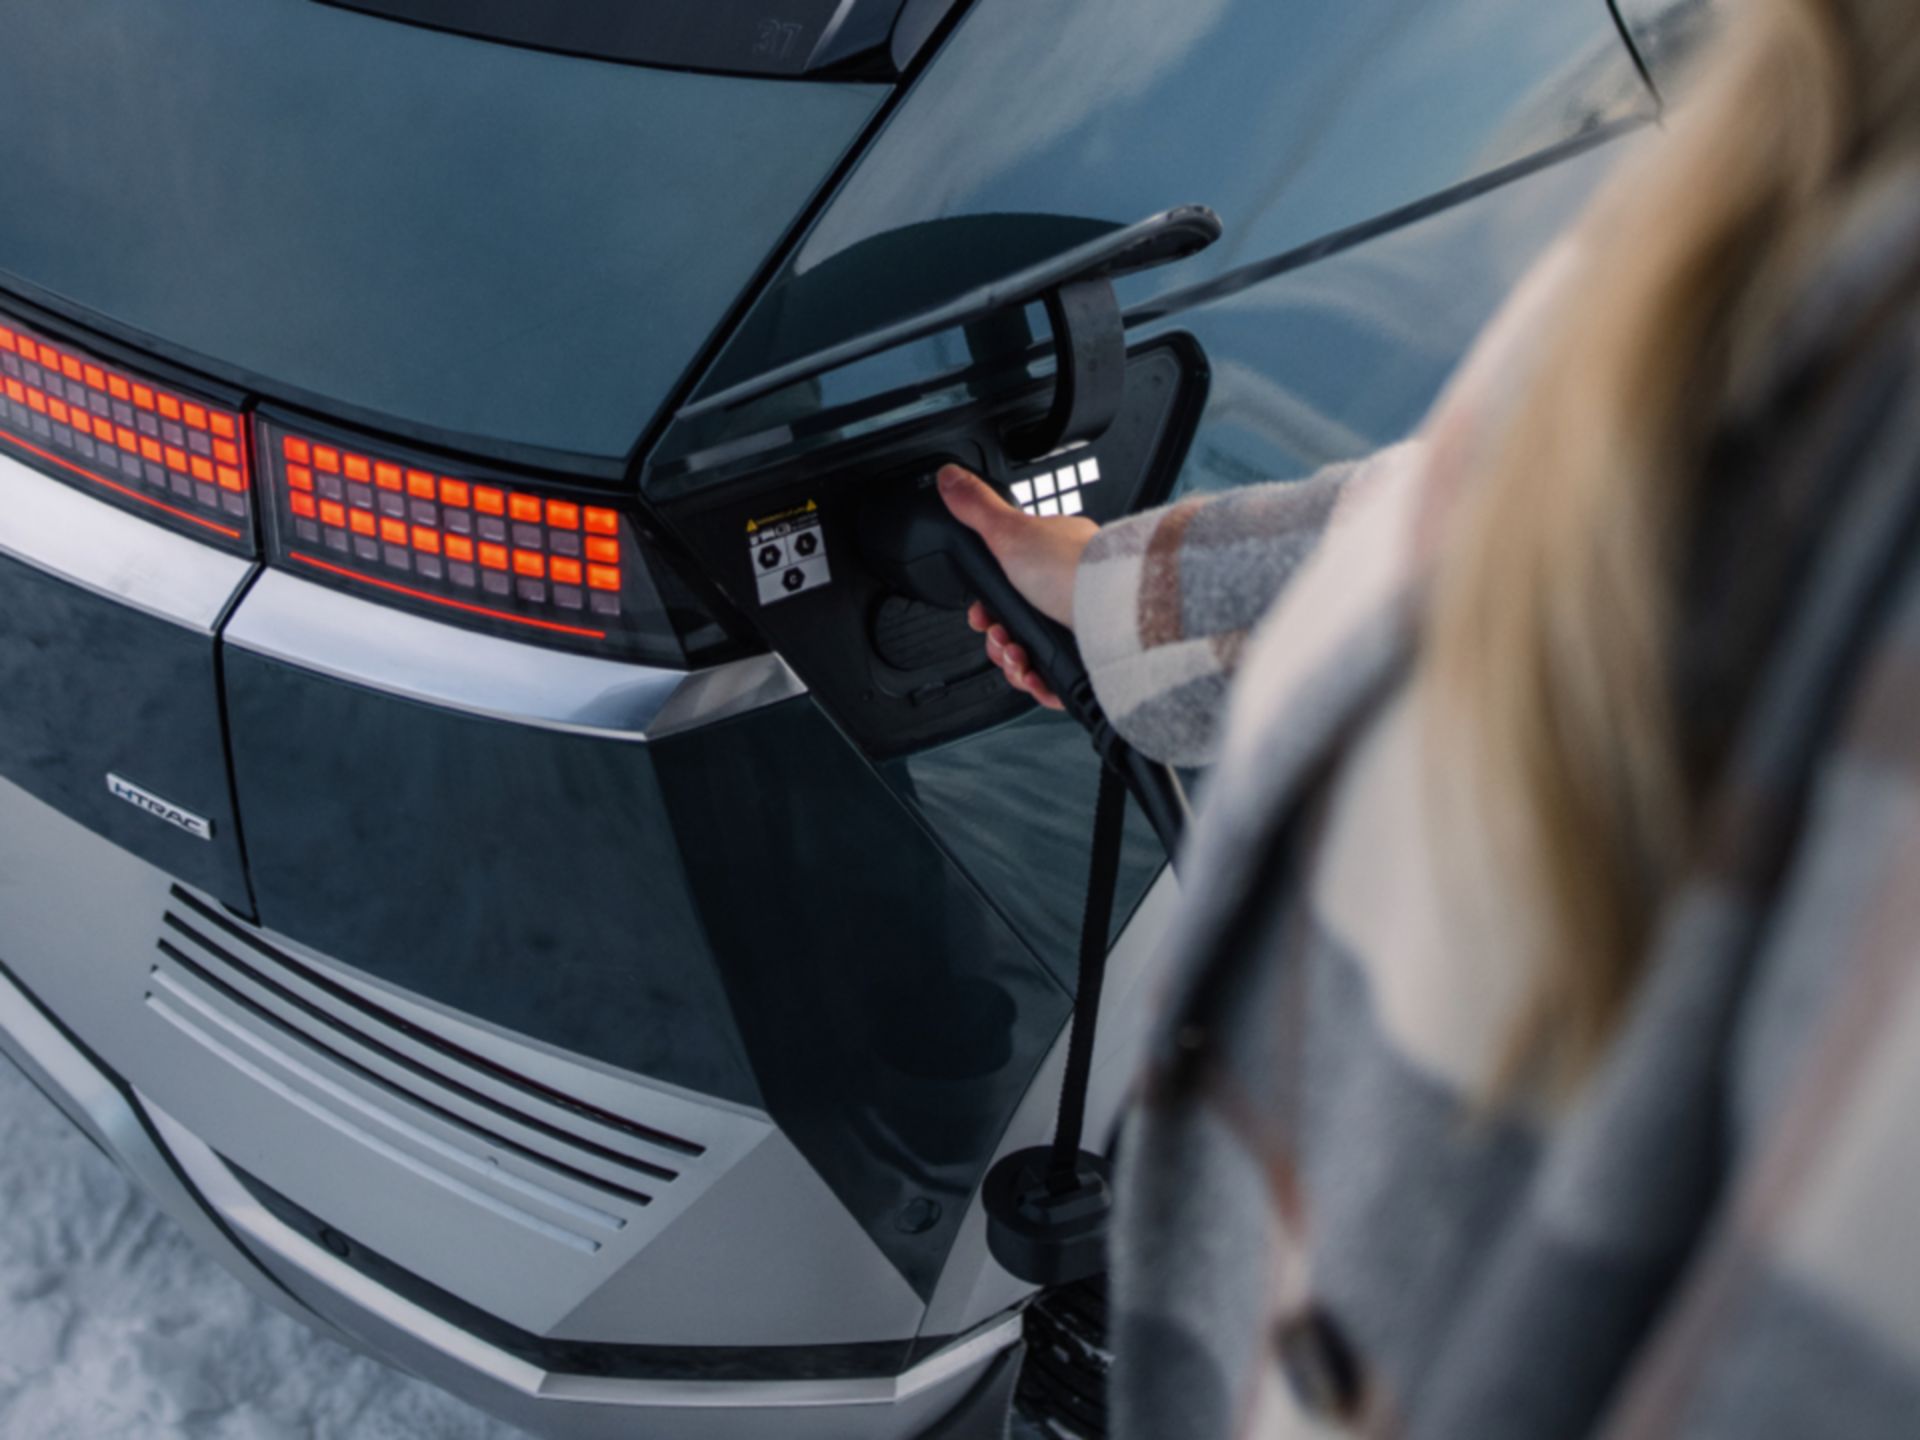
x=113 y=1327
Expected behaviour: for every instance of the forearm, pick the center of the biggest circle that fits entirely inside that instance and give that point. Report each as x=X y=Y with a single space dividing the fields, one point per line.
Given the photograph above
x=1164 y=602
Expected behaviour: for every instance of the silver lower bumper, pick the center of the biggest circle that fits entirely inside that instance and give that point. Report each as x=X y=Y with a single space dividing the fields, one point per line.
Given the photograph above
x=287 y=1270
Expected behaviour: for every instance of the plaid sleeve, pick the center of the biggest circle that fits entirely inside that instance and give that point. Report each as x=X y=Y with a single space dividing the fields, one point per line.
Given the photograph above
x=1164 y=601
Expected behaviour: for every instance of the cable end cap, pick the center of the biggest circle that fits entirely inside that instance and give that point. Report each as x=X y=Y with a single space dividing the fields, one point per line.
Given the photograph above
x=1044 y=1228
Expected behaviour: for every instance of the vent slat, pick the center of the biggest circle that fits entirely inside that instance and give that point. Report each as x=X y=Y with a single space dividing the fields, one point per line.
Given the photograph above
x=273 y=1025
x=459 y=1060
x=403 y=1057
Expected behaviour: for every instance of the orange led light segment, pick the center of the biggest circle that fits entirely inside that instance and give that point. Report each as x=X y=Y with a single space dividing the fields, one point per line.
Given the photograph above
x=480 y=547
x=94 y=421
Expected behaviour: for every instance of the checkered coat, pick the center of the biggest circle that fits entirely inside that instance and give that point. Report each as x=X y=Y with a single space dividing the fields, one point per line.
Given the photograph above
x=1324 y=1226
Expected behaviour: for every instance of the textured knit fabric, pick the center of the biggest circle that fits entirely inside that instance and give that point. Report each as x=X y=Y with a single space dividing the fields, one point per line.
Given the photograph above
x=1324 y=1226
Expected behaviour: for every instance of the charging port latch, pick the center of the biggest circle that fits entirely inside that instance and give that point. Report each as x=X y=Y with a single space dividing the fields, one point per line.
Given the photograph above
x=1090 y=339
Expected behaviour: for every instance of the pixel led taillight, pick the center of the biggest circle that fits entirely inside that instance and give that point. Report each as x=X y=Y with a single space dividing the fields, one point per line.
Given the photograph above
x=151 y=447
x=476 y=549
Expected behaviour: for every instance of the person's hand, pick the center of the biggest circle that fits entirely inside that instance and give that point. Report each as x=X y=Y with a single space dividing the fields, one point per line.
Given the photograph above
x=1040 y=557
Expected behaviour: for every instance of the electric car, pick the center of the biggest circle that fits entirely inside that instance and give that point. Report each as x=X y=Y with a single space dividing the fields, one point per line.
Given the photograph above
x=483 y=840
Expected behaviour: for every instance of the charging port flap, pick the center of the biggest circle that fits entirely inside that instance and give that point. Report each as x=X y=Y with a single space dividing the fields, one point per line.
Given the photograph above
x=785 y=542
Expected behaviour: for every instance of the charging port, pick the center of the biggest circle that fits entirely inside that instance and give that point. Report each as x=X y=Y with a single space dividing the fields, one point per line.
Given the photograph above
x=897 y=673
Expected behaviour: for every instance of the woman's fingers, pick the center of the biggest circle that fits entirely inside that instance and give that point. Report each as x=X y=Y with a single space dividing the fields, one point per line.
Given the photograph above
x=1039 y=690
x=976 y=504
x=1021 y=675
x=1011 y=657
x=1040 y=556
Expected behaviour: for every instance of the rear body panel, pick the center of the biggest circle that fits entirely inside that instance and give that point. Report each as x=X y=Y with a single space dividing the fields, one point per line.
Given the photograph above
x=89 y=590
x=743 y=909
x=446 y=238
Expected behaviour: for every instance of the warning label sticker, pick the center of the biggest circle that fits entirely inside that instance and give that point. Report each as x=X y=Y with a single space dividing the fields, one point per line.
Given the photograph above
x=789 y=553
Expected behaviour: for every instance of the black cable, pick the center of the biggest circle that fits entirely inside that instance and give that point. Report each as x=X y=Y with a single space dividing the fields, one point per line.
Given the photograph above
x=1160 y=798
x=1103 y=882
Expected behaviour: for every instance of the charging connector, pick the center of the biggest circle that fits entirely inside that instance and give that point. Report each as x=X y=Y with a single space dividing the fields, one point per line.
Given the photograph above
x=1048 y=1207
x=910 y=538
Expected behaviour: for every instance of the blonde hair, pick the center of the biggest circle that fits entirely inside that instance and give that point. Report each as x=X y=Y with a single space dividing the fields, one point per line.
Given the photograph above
x=1552 y=636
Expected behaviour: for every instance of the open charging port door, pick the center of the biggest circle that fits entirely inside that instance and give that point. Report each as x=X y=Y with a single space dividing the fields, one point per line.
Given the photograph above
x=779 y=525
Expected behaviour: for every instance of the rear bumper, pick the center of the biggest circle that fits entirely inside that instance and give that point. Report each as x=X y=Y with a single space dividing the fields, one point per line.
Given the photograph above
x=966 y=1380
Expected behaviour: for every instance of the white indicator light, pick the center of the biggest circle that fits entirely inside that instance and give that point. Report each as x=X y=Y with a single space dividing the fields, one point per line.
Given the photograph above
x=1089 y=471
x=1049 y=507
x=1070 y=504
x=1043 y=486
x=1023 y=492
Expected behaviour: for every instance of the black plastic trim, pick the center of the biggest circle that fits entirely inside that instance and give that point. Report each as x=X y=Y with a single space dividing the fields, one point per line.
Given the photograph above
x=765 y=38
x=858 y=1361
x=1639 y=58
